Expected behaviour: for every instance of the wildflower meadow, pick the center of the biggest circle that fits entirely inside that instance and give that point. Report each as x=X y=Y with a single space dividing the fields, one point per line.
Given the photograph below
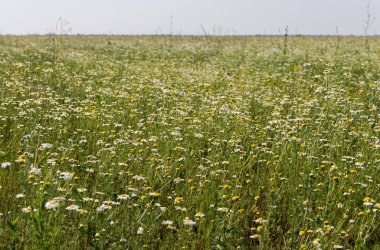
x=126 y=142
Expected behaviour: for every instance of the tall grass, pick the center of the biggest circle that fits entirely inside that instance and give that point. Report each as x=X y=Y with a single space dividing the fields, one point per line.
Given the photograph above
x=128 y=143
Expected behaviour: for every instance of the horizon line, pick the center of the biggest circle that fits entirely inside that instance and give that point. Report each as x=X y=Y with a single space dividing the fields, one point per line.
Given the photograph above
x=191 y=35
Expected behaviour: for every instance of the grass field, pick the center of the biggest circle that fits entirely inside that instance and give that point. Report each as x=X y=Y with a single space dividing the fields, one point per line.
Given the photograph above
x=189 y=142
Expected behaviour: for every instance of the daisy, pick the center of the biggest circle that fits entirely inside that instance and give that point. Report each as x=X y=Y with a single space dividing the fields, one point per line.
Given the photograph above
x=255 y=236
x=66 y=176
x=260 y=221
x=188 y=222
x=5 y=164
x=103 y=207
x=122 y=197
x=72 y=208
x=167 y=222
x=199 y=215
x=81 y=190
x=51 y=204
x=27 y=210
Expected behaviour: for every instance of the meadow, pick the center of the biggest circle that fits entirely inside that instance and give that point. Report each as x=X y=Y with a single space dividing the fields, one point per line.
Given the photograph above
x=112 y=142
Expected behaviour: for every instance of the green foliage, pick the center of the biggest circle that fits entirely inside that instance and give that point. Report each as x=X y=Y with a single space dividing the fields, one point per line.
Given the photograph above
x=189 y=142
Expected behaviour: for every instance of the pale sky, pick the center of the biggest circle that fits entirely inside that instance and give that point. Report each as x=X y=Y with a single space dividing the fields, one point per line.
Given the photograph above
x=220 y=17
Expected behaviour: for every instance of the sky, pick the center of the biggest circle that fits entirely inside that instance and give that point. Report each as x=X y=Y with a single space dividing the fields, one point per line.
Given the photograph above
x=185 y=17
